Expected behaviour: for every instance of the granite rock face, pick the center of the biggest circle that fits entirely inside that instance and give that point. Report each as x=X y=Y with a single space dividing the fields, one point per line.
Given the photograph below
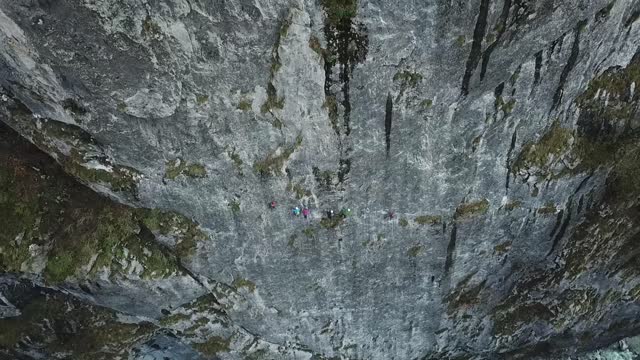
x=502 y=135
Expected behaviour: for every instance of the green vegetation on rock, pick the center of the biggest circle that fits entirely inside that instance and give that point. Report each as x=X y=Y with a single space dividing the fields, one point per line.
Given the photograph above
x=244 y=105
x=506 y=107
x=414 y=251
x=464 y=296
x=403 y=222
x=543 y=154
x=512 y=205
x=234 y=205
x=177 y=167
x=548 y=209
x=332 y=223
x=470 y=209
x=331 y=104
x=503 y=247
x=213 y=346
x=272 y=165
x=408 y=78
x=314 y=44
x=173 y=319
x=202 y=99
x=57 y=323
x=186 y=231
x=244 y=283
x=150 y=28
x=273 y=100
x=339 y=11
x=428 y=220
x=309 y=232
x=426 y=104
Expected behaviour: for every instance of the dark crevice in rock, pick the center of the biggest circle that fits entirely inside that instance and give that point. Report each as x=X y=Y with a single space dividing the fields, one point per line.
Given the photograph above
x=563 y=228
x=497 y=93
x=635 y=15
x=501 y=27
x=387 y=122
x=147 y=235
x=511 y=147
x=476 y=46
x=571 y=63
x=604 y=12
x=344 y=169
x=583 y=183
x=580 y=204
x=536 y=75
x=347 y=45
x=451 y=247
x=558 y=223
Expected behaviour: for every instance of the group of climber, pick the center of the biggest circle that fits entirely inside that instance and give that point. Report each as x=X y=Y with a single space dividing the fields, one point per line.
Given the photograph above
x=305 y=211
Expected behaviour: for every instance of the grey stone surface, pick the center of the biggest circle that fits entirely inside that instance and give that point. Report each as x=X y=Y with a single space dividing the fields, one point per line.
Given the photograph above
x=236 y=87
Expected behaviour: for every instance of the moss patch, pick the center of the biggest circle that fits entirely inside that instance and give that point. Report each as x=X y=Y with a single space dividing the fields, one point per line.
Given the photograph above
x=332 y=223
x=244 y=283
x=55 y=323
x=85 y=233
x=314 y=44
x=403 y=222
x=244 y=105
x=506 y=107
x=234 y=205
x=428 y=220
x=609 y=95
x=548 y=209
x=407 y=78
x=540 y=157
x=173 y=319
x=177 y=167
x=464 y=296
x=202 y=99
x=273 y=100
x=186 y=231
x=414 y=251
x=213 y=346
x=309 y=232
x=299 y=190
x=503 y=248
x=339 y=11
x=272 y=165
x=510 y=206
x=106 y=240
x=471 y=209
x=426 y=104
x=150 y=28
x=331 y=104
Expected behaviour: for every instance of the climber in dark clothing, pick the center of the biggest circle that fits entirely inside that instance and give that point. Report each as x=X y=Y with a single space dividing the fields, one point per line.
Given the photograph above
x=330 y=214
x=391 y=215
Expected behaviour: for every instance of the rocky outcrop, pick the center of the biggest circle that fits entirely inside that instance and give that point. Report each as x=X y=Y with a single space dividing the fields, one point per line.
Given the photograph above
x=503 y=135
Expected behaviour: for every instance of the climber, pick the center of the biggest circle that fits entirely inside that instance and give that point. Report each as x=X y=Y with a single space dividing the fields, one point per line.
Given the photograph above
x=391 y=215
x=305 y=212
x=330 y=214
x=296 y=211
x=272 y=205
x=345 y=212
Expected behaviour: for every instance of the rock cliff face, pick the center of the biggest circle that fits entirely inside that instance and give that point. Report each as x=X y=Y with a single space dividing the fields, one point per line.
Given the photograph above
x=142 y=142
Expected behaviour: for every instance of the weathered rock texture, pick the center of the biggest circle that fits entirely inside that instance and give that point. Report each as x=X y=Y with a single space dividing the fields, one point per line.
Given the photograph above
x=503 y=135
